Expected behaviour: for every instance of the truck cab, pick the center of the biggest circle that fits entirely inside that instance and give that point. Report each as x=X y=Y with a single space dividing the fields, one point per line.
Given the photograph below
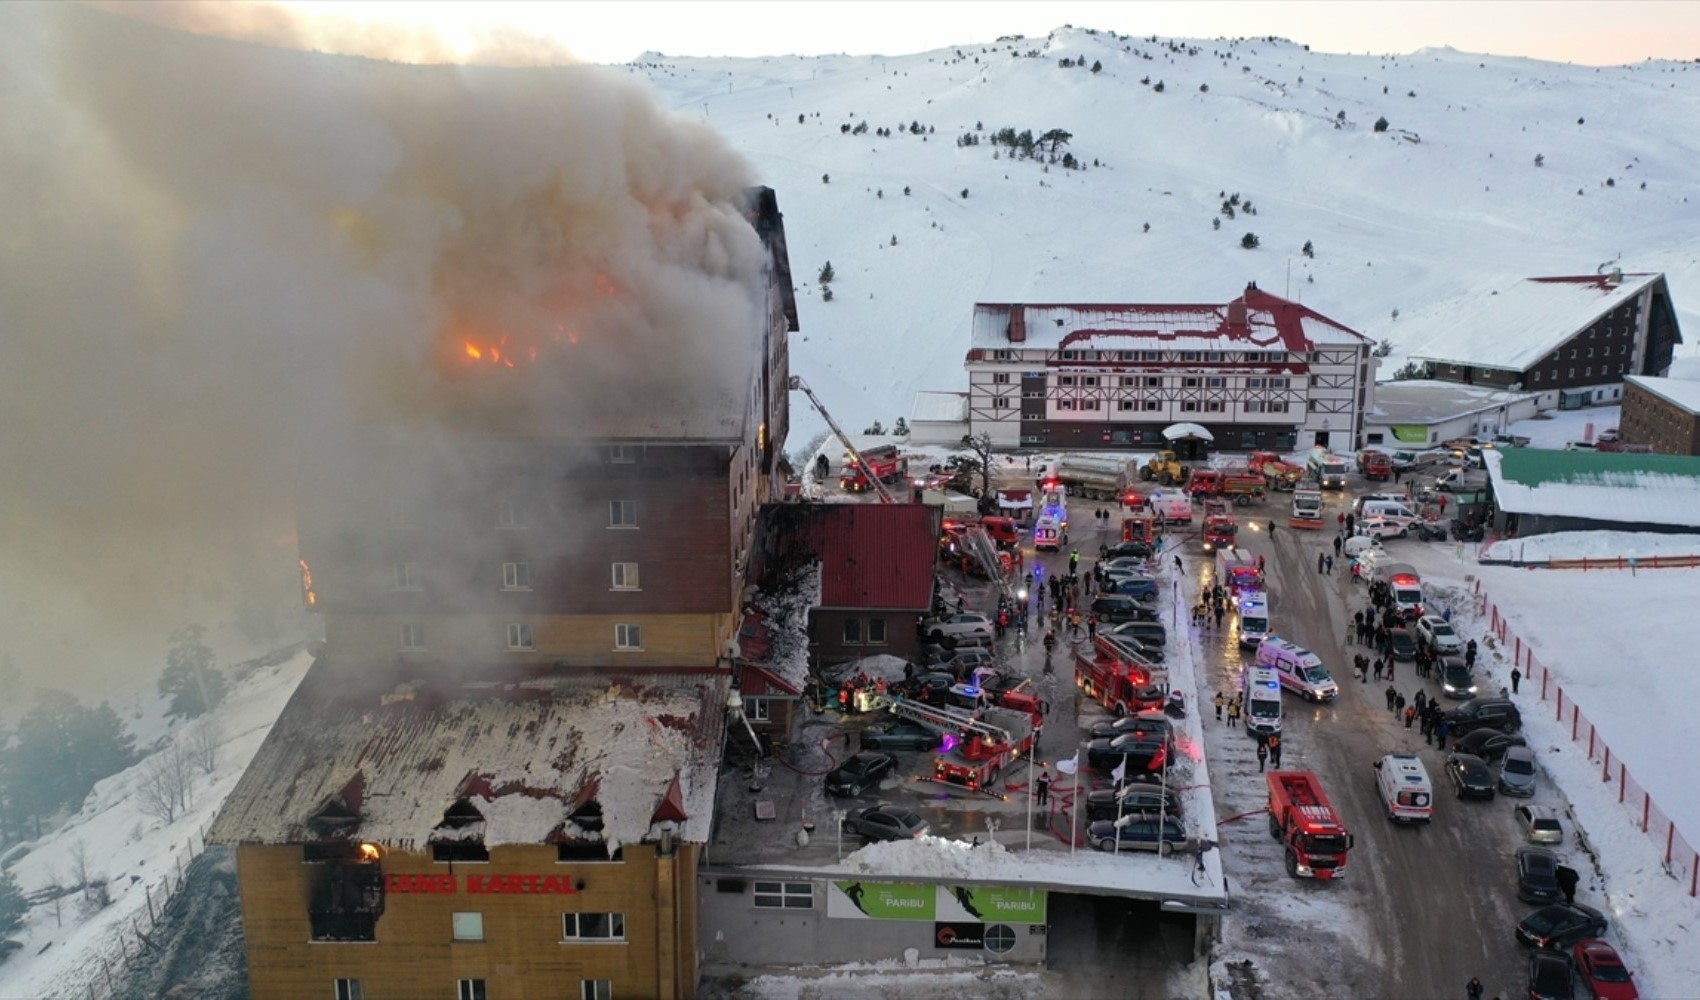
x=1262 y=689
x=1302 y=818
x=1254 y=618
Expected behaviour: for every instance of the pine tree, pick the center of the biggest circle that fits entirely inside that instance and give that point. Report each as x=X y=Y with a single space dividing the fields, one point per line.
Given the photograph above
x=1250 y=241
x=13 y=907
x=190 y=680
x=826 y=274
x=1381 y=124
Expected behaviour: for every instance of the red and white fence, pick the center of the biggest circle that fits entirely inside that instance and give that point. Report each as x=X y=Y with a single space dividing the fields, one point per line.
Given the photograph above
x=1680 y=858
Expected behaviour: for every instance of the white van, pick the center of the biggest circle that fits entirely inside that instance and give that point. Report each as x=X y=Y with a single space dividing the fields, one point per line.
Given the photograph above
x=1262 y=691
x=1298 y=668
x=1405 y=790
x=1396 y=511
x=1369 y=498
x=1254 y=618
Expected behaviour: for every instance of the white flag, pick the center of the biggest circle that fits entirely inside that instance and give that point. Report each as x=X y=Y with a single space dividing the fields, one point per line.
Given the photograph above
x=1069 y=766
x=1121 y=771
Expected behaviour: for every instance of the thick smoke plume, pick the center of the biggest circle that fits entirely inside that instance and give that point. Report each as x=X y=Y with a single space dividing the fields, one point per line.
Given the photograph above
x=214 y=254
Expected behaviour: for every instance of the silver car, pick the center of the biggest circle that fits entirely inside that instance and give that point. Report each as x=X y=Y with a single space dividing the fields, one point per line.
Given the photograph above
x=1517 y=772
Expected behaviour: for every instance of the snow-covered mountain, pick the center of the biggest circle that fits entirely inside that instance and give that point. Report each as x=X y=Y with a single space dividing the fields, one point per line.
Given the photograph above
x=1447 y=200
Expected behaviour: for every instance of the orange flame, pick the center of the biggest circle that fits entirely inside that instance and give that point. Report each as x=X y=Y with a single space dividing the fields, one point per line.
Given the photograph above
x=473 y=351
x=307 y=590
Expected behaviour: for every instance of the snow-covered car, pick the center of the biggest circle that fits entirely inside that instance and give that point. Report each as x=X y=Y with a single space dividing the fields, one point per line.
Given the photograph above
x=962 y=626
x=886 y=823
x=1140 y=832
x=1436 y=633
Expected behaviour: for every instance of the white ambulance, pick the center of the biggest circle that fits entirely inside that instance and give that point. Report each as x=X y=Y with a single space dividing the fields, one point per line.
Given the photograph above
x=1262 y=689
x=1403 y=784
x=1298 y=668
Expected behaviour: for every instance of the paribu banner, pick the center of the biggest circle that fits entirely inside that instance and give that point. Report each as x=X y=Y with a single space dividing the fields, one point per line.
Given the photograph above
x=901 y=901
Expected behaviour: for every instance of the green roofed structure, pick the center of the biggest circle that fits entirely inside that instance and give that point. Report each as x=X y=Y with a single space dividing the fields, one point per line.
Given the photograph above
x=1537 y=491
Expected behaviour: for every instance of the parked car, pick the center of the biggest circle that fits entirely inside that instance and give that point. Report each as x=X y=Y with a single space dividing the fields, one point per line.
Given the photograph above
x=1537 y=875
x=1437 y=634
x=1153 y=722
x=1560 y=925
x=932 y=688
x=886 y=823
x=1608 y=436
x=1124 y=550
x=1400 y=645
x=1465 y=531
x=1145 y=755
x=1470 y=776
x=963 y=662
x=899 y=736
x=1517 y=772
x=1133 y=642
x=1380 y=527
x=1136 y=833
x=1488 y=744
x=1101 y=803
x=1483 y=713
x=862 y=770
x=1429 y=531
x=1602 y=971
x=1457 y=680
x=1549 y=977
x=1150 y=633
x=1139 y=565
x=1141 y=588
x=1539 y=824
x=1405 y=461
x=967 y=624
x=1121 y=608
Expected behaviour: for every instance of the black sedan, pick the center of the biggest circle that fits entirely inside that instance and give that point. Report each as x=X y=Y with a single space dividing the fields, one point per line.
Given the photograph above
x=864 y=770
x=886 y=823
x=1456 y=679
x=1145 y=755
x=1120 y=550
x=1470 y=776
x=1102 y=803
x=1537 y=875
x=1400 y=645
x=1549 y=977
x=1118 y=608
x=1560 y=925
x=899 y=736
x=1488 y=744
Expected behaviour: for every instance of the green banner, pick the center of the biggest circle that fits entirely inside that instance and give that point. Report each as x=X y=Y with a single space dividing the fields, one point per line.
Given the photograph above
x=881 y=901
x=991 y=904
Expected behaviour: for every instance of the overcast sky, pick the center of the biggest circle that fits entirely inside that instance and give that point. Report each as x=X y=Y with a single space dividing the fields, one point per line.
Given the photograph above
x=1600 y=33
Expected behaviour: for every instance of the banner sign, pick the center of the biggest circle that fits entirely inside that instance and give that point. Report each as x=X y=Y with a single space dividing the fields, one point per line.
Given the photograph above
x=881 y=901
x=991 y=904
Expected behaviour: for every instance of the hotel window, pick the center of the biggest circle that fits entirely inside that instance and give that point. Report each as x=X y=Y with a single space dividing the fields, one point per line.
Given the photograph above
x=412 y=635
x=1065 y=404
x=1126 y=404
x=852 y=631
x=1065 y=380
x=1189 y=383
x=507 y=514
x=596 y=989
x=516 y=576
x=1214 y=406
x=1537 y=377
x=756 y=709
x=628 y=636
x=1003 y=355
x=1124 y=355
x=622 y=454
x=1277 y=407
x=1153 y=381
x=1089 y=404
x=622 y=514
x=1127 y=383
x=1212 y=355
x=1000 y=378
x=473 y=989
x=349 y=989
x=784 y=896
x=1073 y=355
x=519 y=636
x=876 y=631
x=626 y=576
x=1189 y=355
x=1153 y=404
x=1255 y=406
x=1215 y=382
x=407 y=576
x=593 y=926
x=467 y=926
x=1248 y=440
x=1571 y=373
x=1089 y=381
x=1190 y=406
x=1280 y=383
x=1254 y=383
x=1000 y=402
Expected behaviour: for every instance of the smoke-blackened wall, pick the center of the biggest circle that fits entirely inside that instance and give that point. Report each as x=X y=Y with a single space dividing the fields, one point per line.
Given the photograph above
x=215 y=254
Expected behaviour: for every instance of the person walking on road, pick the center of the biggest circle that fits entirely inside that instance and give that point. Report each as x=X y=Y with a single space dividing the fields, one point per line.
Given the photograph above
x=1473 y=988
x=1399 y=705
x=1390 y=668
x=1441 y=731
x=1074 y=562
x=1234 y=708
x=1337 y=543
x=1330 y=564
x=1177 y=564
x=1470 y=654
x=1262 y=756
x=1567 y=879
x=1516 y=678
x=1379 y=670
x=1410 y=715
x=1042 y=787
x=1392 y=694
x=1421 y=700
x=1220 y=701
x=1319 y=558
x=1274 y=745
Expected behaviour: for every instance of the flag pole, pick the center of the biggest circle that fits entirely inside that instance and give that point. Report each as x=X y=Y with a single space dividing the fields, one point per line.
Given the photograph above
x=1030 y=780
x=1074 y=807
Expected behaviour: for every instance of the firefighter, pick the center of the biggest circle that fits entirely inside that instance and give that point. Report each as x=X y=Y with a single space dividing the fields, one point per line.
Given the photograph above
x=1050 y=641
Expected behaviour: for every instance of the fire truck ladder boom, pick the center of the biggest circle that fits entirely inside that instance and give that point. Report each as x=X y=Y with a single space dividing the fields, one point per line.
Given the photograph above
x=983 y=550
x=849 y=448
x=946 y=719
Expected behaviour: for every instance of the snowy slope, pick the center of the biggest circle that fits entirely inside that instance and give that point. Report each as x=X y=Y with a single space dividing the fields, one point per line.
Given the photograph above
x=1446 y=201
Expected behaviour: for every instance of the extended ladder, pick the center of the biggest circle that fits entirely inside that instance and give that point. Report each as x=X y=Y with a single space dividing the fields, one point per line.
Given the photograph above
x=947 y=718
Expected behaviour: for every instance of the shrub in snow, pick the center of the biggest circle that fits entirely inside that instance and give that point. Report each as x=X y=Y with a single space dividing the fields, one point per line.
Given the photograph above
x=826 y=293
x=964 y=192
x=1204 y=88
x=826 y=274
x=1540 y=159
x=1382 y=349
x=1216 y=223
x=1250 y=241
x=1097 y=67
x=1308 y=250
x=826 y=178
x=1381 y=124
x=1158 y=86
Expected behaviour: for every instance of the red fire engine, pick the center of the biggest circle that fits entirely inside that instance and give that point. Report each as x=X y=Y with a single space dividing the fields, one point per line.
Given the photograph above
x=1301 y=817
x=995 y=738
x=1241 y=486
x=1139 y=528
x=1117 y=678
x=1220 y=528
x=886 y=461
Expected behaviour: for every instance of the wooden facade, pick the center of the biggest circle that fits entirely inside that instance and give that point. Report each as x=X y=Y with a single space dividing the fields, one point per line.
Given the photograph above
x=1652 y=418
x=526 y=948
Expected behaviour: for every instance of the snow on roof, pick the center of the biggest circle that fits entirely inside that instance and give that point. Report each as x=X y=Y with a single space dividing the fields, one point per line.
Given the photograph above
x=785 y=606
x=524 y=751
x=1614 y=487
x=1681 y=392
x=1270 y=323
x=939 y=407
x=1424 y=401
x=1515 y=326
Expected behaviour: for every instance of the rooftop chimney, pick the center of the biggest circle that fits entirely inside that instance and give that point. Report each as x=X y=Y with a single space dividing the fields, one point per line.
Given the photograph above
x=1017 y=324
x=1615 y=278
x=1236 y=314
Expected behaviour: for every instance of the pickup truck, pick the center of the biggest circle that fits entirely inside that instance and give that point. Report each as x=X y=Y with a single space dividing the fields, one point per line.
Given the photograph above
x=1461 y=480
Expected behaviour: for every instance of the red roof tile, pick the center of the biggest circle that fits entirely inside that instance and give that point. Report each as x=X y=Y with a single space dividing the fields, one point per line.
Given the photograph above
x=876 y=555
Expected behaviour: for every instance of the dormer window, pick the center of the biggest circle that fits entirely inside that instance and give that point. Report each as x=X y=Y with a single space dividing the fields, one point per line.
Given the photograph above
x=460 y=836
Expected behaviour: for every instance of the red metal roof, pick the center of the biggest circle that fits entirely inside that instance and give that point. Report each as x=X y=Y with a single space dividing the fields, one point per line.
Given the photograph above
x=760 y=682
x=876 y=555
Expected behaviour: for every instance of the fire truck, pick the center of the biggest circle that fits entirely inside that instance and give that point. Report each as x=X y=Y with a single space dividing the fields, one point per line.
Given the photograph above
x=1219 y=526
x=1242 y=486
x=1118 y=678
x=1139 y=528
x=886 y=462
x=1277 y=472
x=1301 y=817
x=990 y=740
